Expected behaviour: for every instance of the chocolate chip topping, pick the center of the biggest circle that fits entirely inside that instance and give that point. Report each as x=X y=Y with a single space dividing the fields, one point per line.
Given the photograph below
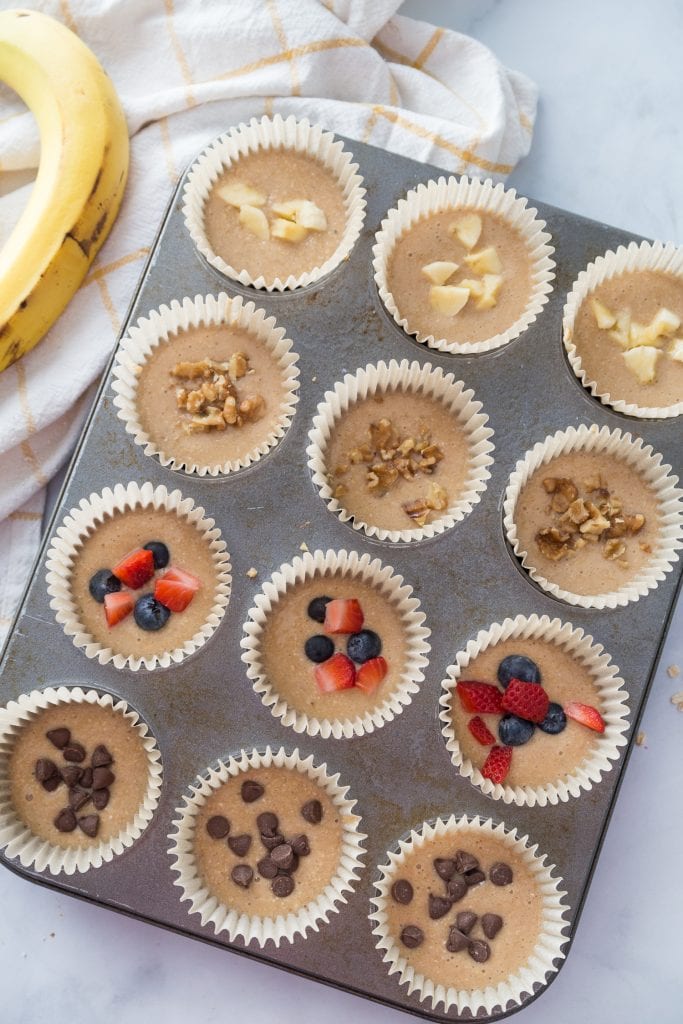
x=474 y=877
x=491 y=925
x=86 y=778
x=251 y=790
x=456 y=887
x=71 y=774
x=101 y=757
x=283 y=885
x=89 y=824
x=65 y=820
x=312 y=811
x=78 y=797
x=74 y=752
x=100 y=798
x=456 y=941
x=402 y=891
x=500 y=873
x=102 y=778
x=465 y=920
x=45 y=769
x=267 y=823
x=266 y=868
x=300 y=845
x=270 y=842
x=240 y=844
x=242 y=875
x=479 y=950
x=51 y=784
x=59 y=738
x=444 y=867
x=412 y=936
x=218 y=826
x=465 y=861
x=283 y=856
x=438 y=906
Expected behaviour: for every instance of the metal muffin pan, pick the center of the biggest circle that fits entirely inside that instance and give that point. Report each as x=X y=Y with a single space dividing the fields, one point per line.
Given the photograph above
x=466 y=579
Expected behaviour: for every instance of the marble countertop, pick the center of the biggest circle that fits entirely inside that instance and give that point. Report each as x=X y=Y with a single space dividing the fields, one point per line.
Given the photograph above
x=607 y=145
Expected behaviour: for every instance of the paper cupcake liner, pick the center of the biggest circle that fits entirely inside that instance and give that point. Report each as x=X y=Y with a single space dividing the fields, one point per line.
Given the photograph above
x=549 y=949
x=472 y=194
x=160 y=327
x=354 y=566
x=81 y=522
x=274 y=133
x=410 y=377
x=16 y=839
x=646 y=256
x=649 y=464
x=608 y=683
x=283 y=928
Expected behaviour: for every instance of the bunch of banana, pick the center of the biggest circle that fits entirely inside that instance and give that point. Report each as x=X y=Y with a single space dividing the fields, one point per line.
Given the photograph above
x=81 y=178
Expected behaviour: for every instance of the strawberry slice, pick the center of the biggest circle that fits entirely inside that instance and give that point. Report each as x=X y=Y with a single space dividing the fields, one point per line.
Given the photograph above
x=497 y=764
x=135 y=569
x=526 y=700
x=481 y=731
x=343 y=615
x=176 y=588
x=371 y=673
x=481 y=697
x=585 y=715
x=337 y=673
x=117 y=606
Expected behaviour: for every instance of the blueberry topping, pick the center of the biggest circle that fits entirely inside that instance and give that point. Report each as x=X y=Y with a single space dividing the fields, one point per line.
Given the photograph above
x=554 y=721
x=150 y=614
x=362 y=646
x=319 y=648
x=514 y=731
x=316 y=608
x=103 y=582
x=160 y=553
x=516 y=666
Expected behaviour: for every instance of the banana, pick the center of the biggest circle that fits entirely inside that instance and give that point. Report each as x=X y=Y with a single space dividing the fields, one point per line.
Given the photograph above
x=81 y=177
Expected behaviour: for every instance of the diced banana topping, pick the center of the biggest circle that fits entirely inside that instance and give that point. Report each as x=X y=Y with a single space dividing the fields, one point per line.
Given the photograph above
x=643 y=344
x=448 y=296
x=467 y=229
x=292 y=220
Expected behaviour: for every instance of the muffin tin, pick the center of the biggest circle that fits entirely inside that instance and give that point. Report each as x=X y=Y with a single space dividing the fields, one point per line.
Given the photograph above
x=466 y=578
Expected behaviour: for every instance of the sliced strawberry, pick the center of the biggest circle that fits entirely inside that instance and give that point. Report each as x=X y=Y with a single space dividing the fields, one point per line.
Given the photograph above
x=526 y=700
x=337 y=673
x=481 y=697
x=117 y=606
x=481 y=731
x=176 y=588
x=585 y=715
x=135 y=569
x=343 y=615
x=497 y=764
x=371 y=673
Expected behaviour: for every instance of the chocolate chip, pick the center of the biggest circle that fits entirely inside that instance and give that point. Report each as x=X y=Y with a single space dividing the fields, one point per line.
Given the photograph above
x=51 y=784
x=465 y=861
x=240 y=844
x=300 y=845
x=283 y=885
x=465 y=920
x=283 y=856
x=78 y=797
x=65 y=820
x=270 y=842
x=267 y=823
x=491 y=925
x=242 y=875
x=251 y=791
x=474 y=877
x=100 y=798
x=266 y=868
x=102 y=778
x=86 y=778
x=74 y=752
x=456 y=941
x=218 y=826
x=89 y=824
x=479 y=950
x=500 y=874
x=444 y=867
x=312 y=812
x=59 y=738
x=45 y=769
x=438 y=906
x=456 y=887
x=71 y=774
x=412 y=936
x=100 y=757
x=402 y=891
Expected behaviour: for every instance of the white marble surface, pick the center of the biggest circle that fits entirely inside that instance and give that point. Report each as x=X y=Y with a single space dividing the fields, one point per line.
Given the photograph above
x=609 y=123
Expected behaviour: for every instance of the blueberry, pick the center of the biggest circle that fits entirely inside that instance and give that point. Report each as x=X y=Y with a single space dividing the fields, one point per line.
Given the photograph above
x=103 y=582
x=150 y=614
x=319 y=648
x=516 y=666
x=554 y=721
x=316 y=608
x=514 y=731
x=162 y=555
x=362 y=646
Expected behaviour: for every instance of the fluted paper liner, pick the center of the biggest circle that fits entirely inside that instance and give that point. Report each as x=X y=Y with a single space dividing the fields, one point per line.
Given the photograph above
x=549 y=948
x=467 y=194
x=274 y=133
x=264 y=929
x=407 y=377
x=397 y=593
x=614 y=709
x=646 y=256
x=83 y=521
x=650 y=466
x=16 y=839
x=160 y=327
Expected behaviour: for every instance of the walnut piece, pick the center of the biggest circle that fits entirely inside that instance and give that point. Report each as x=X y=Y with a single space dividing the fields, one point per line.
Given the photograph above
x=554 y=543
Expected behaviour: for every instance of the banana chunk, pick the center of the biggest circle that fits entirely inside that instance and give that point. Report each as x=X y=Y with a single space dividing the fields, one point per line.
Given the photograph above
x=467 y=229
x=642 y=362
x=448 y=299
x=311 y=217
x=486 y=261
x=664 y=324
x=639 y=334
x=288 y=231
x=490 y=289
x=475 y=285
x=238 y=193
x=621 y=333
x=676 y=350
x=605 y=318
x=288 y=210
x=255 y=221
x=439 y=271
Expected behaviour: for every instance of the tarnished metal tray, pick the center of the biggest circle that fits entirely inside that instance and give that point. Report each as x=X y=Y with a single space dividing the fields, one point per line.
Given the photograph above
x=465 y=579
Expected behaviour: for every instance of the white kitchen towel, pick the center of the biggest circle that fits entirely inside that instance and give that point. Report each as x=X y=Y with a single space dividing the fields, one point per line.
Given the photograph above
x=186 y=70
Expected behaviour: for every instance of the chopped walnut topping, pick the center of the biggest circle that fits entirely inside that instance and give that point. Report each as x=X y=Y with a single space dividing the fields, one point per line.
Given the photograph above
x=554 y=543
x=614 y=549
x=215 y=403
x=577 y=512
